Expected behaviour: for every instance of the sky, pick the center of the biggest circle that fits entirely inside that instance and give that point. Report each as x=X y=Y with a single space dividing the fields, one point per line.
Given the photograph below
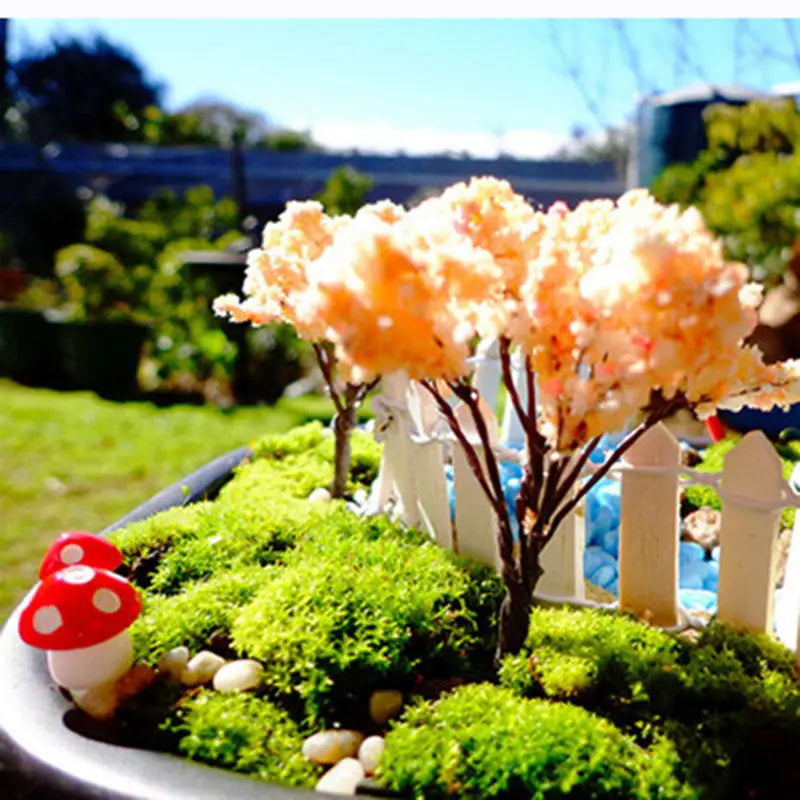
x=483 y=86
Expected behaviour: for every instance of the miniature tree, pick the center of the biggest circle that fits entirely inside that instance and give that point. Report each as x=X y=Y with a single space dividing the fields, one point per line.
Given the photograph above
x=275 y=287
x=618 y=310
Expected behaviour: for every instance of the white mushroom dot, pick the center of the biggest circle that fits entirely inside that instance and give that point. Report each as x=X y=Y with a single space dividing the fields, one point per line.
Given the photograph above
x=47 y=619
x=71 y=553
x=77 y=575
x=107 y=601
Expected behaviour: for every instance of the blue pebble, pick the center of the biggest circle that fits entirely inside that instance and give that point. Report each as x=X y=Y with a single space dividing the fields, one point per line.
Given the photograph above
x=594 y=558
x=715 y=554
x=604 y=576
x=613 y=587
x=611 y=542
x=601 y=521
x=698 y=600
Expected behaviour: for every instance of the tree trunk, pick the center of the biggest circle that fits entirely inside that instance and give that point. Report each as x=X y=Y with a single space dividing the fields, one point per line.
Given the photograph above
x=514 y=621
x=343 y=425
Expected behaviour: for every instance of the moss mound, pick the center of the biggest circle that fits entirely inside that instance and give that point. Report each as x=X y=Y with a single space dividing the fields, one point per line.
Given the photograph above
x=483 y=741
x=361 y=605
x=730 y=703
x=244 y=733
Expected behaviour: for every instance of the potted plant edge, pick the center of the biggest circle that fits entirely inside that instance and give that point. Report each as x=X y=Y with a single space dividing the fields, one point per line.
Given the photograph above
x=603 y=305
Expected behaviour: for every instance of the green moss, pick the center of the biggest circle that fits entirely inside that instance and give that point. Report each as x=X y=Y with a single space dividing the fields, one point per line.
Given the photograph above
x=244 y=733
x=727 y=704
x=306 y=456
x=361 y=605
x=195 y=614
x=483 y=741
x=595 y=657
x=159 y=532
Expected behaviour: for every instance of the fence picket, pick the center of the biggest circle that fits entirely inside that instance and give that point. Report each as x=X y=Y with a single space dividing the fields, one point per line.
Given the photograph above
x=751 y=475
x=562 y=558
x=648 y=541
x=475 y=527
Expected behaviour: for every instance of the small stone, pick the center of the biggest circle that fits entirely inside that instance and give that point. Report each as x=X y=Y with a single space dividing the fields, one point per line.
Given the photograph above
x=238 y=676
x=343 y=778
x=329 y=747
x=99 y=702
x=319 y=495
x=174 y=661
x=703 y=527
x=370 y=752
x=385 y=704
x=201 y=668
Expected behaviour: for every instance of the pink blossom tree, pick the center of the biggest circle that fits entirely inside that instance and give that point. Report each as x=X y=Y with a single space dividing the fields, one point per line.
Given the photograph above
x=617 y=311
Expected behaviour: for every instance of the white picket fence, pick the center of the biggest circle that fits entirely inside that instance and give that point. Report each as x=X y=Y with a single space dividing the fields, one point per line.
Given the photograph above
x=412 y=482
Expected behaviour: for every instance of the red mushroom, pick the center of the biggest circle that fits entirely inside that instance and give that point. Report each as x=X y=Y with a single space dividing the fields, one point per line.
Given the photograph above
x=81 y=616
x=78 y=547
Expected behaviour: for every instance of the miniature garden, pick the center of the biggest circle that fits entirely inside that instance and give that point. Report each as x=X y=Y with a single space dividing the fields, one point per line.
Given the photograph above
x=294 y=629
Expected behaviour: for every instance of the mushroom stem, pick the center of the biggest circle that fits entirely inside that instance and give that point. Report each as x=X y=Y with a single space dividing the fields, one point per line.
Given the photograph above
x=85 y=667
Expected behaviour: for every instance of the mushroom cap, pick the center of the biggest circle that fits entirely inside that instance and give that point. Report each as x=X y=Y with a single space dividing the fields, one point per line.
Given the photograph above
x=79 y=547
x=79 y=606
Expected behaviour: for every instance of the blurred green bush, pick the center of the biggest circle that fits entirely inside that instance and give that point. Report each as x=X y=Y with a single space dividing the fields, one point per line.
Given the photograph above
x=746 y=183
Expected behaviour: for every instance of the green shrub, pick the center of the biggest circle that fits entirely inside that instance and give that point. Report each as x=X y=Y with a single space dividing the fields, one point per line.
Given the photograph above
x=483 y=741
x=95 y=284
x=244 y=733
x=746 y=184
x=361 y=605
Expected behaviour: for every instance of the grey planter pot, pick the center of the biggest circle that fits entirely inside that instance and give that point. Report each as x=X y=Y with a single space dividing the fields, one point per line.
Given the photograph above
x=49 y=749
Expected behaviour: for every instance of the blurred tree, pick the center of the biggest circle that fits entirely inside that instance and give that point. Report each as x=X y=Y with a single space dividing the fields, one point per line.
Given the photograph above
x=746 y=183
x=288 y=141
x=345 y=191
x=71 y=90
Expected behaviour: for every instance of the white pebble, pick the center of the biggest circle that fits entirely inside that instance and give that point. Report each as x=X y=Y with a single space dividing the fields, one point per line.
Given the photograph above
x=385 y=704
x=202 y=668
x=238 y=676
x=319 y=495
x=329 y=747
x=174 y=661
x=343 y=778
x=370 y=752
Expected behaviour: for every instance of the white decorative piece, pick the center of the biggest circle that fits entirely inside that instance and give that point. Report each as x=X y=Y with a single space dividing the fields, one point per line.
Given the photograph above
x=752 y=490
x=648 y=541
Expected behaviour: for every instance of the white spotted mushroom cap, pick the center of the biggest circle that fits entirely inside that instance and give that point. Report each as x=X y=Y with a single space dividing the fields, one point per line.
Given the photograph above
x=78 y=606
x=79 y=547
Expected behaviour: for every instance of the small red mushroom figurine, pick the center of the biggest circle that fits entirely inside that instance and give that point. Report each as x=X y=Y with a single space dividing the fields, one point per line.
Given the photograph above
x=80 y=614
x=79 y=547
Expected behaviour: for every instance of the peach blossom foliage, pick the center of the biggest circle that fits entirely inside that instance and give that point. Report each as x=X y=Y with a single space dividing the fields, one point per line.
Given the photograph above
x=609 y=301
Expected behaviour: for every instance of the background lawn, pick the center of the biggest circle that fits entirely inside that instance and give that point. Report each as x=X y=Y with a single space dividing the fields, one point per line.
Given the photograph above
x=70 y=461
